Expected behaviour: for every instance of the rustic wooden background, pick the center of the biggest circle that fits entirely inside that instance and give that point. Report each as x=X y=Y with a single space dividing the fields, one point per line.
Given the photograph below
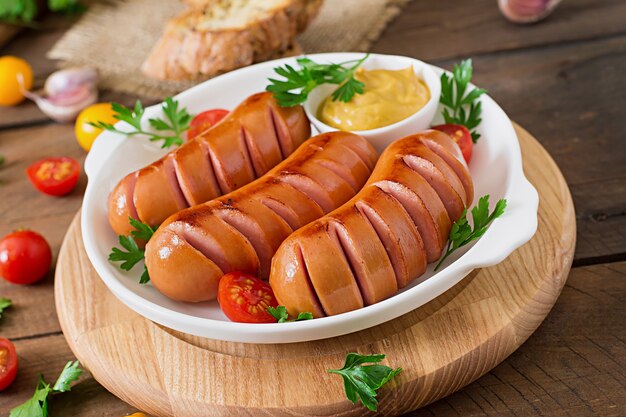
x=562 y=79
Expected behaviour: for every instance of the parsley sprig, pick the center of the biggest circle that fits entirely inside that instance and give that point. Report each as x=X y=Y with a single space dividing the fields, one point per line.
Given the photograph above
x=281 y=315
x=462 y=233
x=362 y=381
x=310 y=75
x=4 y=304
x=169 y=130
x=133 y=254
x=461 y=105
x=37 y=405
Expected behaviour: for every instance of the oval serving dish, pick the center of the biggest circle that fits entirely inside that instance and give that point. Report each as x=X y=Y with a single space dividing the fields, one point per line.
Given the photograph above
x=496 y=168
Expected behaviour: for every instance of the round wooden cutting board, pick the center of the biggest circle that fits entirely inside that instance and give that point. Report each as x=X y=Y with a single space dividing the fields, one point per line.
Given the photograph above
x=442 y=346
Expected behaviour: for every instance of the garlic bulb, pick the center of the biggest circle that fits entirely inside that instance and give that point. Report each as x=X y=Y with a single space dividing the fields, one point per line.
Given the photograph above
x=66 y=93
x=527 y=11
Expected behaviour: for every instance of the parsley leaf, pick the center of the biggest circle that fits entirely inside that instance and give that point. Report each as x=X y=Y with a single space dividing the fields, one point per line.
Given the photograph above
x=130 y=257
x=312 y=74
x=69 y=374
x=461 y=106
x=37 y=405
x=362 y=381
x=4 y=304
x=133 y=254
x=462 y=233
x=142 y=231
x=169 y=130
x=281 y=315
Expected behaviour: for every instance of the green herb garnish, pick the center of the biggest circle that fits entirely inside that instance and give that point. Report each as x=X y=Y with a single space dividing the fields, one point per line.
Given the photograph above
x=176 y=122
x=281 y=315
x=24 y=11
x=4 y=304
x=462 y=233
x=133 y=253
x=311 y=75
x=37 y=405
x=362 y=381
x=462 y=107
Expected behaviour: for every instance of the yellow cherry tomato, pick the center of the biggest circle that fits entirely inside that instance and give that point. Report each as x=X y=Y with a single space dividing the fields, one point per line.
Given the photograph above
x=86 y=133
x=10 y=68
x=137 y=415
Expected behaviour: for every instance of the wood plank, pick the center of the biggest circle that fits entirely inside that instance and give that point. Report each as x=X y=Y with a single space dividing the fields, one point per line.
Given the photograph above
x=48 y=355
x=444 y=29
x=22 y=206
x=32 y=45
x=571 y=98
x=572 y=365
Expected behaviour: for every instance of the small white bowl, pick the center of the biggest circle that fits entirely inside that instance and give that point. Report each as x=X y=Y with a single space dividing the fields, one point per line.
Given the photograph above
x=381 y=137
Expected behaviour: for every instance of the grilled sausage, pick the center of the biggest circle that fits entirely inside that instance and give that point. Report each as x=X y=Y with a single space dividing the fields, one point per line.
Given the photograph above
x=240 y=231
x=251 y=140
x=383 y=238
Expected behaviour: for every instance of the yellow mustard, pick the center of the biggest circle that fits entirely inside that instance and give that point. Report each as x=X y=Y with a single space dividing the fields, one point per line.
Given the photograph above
x=388 y=97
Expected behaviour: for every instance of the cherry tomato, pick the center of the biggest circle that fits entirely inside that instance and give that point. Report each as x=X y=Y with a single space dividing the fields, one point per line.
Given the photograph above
x=205 y=120
x=461 y=136
x=54 y=176
x=25 y=257
x=86 y=133
x=11 y=68
x=244 y=298
x=8 y=363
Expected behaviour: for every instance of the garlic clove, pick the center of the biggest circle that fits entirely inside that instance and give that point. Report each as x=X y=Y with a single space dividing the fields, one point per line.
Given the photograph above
x=66 y=79
x=66 y=93
x=527 y=11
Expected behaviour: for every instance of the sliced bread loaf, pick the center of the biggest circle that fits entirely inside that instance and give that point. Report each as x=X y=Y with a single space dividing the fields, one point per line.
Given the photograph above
x=215 y=36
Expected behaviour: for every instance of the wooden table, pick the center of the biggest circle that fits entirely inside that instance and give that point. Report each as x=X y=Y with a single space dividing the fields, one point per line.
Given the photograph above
x=562 y=79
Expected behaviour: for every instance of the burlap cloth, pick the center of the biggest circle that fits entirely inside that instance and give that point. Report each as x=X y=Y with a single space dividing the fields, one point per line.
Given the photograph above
x=116 y=37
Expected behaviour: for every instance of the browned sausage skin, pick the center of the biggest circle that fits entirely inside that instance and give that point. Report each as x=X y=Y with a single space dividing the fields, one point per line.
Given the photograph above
x=241 y=231
x=380 y=240
x=251 y=140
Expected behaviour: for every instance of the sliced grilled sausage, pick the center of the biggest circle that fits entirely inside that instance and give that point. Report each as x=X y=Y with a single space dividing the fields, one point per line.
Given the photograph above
x=380 y=240
x=241 y=231
x=251 y=140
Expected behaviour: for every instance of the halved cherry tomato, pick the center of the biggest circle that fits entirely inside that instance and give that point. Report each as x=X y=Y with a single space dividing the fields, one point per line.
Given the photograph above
x=8 y=363
x=461 y=136
x=205 y=120
x=54 y=176
x=25 y=257
x=244 y=298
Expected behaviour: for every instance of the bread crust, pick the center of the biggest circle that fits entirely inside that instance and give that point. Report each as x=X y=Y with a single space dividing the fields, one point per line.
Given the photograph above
x=186 y=51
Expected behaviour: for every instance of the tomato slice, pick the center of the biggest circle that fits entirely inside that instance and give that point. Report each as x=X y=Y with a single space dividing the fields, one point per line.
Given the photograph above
x=25 y=257
x=54 y=176
x=8 y=363
x=461 y=136
x=244 y=298
x=204 y=121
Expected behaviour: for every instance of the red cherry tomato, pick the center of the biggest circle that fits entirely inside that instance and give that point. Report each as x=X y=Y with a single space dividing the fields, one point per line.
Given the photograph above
x=461 y=136
x=54 y=176
x=205 y=120
x=244 y=298
x=8 y=363
x=25 y=257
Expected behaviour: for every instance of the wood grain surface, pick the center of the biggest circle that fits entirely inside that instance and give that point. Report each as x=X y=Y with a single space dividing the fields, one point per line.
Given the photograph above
x=561 y=78
x=441 y=346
